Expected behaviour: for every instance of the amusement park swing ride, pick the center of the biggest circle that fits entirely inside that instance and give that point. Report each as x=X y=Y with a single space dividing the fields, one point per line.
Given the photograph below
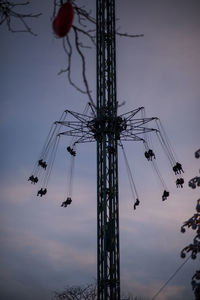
x=101 y=123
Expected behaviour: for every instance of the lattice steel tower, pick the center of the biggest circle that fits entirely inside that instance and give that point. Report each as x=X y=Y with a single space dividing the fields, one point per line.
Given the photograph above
x=109 y=127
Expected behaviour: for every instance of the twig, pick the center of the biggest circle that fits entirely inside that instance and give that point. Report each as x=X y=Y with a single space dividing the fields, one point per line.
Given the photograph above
x=68 y=69
x=7 y=14
x=83 y=27
x=83 y=65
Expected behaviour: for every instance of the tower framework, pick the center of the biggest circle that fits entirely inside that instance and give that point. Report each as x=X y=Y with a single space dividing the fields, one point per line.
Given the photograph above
x=108 y=126
x=108 y=129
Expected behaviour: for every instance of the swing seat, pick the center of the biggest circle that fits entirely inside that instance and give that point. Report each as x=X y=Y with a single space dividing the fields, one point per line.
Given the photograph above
x=68 y=201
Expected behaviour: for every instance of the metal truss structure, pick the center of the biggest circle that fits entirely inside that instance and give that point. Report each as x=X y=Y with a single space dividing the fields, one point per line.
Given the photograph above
x=108 y=129
x=86 y=129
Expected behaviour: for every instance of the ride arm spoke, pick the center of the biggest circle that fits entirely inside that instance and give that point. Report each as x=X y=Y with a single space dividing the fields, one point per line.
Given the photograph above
x=132 y=113
x=86 y=139
x=142 y=121
x=130 y=137
x=81 y=117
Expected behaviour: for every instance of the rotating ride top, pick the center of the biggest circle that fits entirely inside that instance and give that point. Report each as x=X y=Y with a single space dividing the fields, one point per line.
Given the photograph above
x=85 y=128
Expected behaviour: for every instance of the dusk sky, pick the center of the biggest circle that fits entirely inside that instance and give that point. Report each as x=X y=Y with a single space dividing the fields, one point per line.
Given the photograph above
x=45 y=247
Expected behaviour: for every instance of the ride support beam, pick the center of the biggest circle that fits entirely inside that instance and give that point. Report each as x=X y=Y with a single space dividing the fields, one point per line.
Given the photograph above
x=107 y=127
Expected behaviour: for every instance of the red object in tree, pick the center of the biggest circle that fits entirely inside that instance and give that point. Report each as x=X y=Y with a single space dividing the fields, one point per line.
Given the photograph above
x=63 y=21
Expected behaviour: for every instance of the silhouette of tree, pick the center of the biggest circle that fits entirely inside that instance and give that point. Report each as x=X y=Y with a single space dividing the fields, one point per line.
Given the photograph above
x=78 y=292
x=194 y=247
x=86 y=292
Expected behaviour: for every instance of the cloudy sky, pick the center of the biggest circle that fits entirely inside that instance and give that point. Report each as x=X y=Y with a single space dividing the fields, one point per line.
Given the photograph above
x=45 y=247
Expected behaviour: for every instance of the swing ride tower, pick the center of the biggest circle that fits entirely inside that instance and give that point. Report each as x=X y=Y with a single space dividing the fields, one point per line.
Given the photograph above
x=108 y=127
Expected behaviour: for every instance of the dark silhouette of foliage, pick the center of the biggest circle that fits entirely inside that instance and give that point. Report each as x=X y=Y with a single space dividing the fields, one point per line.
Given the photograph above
x=84 y=292
x=194 y=247
x=78 y=292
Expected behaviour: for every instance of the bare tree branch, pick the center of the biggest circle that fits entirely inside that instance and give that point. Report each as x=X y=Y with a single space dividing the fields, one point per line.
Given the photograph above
x=87 y=33
x=84 y=27
x=81 y=29
x=83 y=65
x=8 y=14
x=69 y=62
x=88 y=292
